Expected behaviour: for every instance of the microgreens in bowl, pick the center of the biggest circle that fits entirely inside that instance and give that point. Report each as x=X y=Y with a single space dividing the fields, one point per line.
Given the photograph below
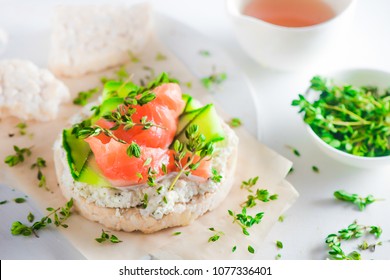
x=351 y=119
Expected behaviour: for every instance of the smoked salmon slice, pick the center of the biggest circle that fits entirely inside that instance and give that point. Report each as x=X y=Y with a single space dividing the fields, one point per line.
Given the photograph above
x=121 y=169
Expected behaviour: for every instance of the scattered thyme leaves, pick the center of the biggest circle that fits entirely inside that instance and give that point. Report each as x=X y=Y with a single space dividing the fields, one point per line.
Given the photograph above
x=294 y=150
x=216 y=178
x=105 y=236
x=188 y=84
x=122 y=74
x=351 y=119
x=281 y=218
x=30 y=217
x=22 y=126
x=204 y=53
x=217 y=235
x=39 y=164
x=251 y=249
x=133 y=57
x=234 y=248
x=235 y=122
x=59 y=215
x=83 y=96
x=164 y=168
x=177 y=233
x=290 y=171
x=3 y=202
x=315 y=169
x=18 y=157
x=279 y=244
x=214 y=79
x=144 y=201
x=20 y=200
x=147 y=161
x=361 y=202
x=160 y=57
x=278 y=257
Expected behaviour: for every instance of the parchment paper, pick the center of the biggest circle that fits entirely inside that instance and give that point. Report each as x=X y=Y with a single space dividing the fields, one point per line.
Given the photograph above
x=255 y=159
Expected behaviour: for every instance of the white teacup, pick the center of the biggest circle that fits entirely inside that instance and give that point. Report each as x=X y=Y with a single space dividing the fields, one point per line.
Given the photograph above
x=291 y=48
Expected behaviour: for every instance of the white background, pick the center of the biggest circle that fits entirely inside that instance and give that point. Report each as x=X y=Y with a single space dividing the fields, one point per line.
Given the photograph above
x=316 y=214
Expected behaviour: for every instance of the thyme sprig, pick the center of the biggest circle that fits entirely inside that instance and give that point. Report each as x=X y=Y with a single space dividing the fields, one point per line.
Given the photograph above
x=105 y=236
x=352 y=119
x=244 y=220
x=18 y=157
x=39 y=164
x=353 y=231
x=60 y=215
x=249 y=183
x=194 y=151
x=361 y=202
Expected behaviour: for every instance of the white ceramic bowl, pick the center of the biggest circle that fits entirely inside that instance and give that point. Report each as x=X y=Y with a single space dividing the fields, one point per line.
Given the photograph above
x=356 y=77
x=291 y=48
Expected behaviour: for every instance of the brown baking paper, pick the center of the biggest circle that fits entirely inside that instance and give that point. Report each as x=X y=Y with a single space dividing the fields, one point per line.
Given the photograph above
x=255 y=159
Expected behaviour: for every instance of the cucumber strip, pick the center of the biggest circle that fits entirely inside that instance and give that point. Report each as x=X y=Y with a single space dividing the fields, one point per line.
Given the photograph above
x=208 y=121
x=191 y=116
x=191 y=103
x=91 y=175
x=77 y=152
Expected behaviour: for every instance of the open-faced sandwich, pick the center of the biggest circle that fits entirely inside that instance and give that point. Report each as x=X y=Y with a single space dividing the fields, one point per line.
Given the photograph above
x=146 y=158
